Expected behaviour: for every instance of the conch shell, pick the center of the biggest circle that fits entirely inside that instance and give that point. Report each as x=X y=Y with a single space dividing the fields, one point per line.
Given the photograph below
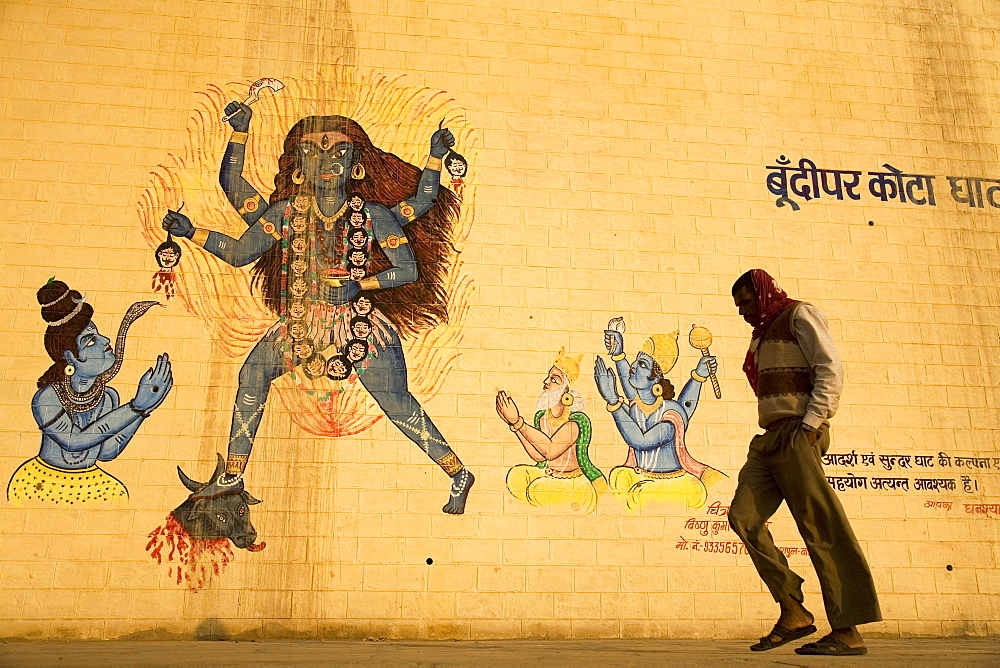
x=617 y=325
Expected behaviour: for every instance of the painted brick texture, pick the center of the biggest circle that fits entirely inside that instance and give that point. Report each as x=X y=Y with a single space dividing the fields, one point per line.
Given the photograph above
x=618 y=161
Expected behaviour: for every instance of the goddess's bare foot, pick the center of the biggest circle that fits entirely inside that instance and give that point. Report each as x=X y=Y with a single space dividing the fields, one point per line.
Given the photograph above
x=461 y=483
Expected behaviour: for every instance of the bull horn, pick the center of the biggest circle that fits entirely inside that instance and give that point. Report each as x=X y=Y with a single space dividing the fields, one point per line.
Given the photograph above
x=220 y=468
x=192 y=485
x=250 y=500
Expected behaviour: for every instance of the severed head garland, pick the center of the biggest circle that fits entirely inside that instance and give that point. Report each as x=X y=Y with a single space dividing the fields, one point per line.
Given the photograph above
x=343 y=243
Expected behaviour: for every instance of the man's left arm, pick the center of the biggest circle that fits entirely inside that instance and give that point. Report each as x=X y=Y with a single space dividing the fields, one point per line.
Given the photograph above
x=813 y=333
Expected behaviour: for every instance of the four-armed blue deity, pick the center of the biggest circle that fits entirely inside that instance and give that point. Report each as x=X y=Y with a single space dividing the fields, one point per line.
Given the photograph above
x=658 y=466
x=337 y=253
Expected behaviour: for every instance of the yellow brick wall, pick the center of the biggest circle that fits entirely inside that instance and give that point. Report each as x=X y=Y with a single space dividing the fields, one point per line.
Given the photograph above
x=618 y=157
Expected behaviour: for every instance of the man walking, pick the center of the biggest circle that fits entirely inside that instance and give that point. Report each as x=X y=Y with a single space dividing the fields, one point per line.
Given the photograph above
x=795 y=371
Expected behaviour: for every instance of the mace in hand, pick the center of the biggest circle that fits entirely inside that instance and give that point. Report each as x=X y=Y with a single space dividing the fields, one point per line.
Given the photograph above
x=701 y=339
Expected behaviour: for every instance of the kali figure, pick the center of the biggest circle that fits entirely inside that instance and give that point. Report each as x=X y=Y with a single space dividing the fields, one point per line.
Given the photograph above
x=658 y=467
x=81 y=419
x=336 y=252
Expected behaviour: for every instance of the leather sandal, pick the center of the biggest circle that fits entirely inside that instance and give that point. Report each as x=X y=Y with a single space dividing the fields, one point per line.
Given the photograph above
x=828 y=646
x=786 y=636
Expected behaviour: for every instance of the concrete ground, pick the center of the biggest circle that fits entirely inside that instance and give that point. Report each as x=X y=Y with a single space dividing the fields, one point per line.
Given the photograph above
x=575 y=653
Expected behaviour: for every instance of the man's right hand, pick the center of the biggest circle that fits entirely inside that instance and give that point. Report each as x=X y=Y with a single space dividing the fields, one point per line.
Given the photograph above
x=242 y=114
x=178 y=224
x=811 y=435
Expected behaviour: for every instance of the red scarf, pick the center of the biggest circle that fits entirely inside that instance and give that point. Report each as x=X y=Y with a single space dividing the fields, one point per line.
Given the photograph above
x=771 y=302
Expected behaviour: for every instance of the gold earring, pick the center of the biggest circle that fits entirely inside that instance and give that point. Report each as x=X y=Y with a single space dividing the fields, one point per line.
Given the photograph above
x=358 y=171
x=297 y=177
x=69 y=370
x=566 y=399
x=657 y=390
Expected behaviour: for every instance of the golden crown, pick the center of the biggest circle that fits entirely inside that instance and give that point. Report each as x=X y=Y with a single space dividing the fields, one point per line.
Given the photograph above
x=568 y=365
x=663 y=349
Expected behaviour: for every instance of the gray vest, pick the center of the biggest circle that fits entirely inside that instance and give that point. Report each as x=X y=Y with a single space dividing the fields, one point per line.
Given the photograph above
x=784 y=377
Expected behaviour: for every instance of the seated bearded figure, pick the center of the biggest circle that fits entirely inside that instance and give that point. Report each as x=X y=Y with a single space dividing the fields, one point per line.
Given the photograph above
x=558 y=441
x=658 y=467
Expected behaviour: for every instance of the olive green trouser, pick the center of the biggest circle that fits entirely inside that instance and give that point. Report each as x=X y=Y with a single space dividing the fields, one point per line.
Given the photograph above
x=782 y=466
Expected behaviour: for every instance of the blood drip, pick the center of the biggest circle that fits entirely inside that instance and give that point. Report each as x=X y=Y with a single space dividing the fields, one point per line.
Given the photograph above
x=196 y=560
x=164 y=280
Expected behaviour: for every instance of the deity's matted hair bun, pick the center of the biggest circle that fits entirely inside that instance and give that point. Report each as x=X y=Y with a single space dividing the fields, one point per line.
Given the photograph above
x=67 y=313
x=61 y=306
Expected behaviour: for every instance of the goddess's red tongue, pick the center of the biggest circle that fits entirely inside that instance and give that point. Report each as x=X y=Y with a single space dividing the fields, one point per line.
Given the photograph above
x=256 y=547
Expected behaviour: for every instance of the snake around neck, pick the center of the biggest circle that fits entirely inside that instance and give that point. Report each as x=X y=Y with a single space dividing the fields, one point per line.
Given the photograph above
x=81 y=402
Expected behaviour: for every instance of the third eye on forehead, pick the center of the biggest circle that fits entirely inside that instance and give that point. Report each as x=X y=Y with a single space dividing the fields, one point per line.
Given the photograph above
x=338 y=150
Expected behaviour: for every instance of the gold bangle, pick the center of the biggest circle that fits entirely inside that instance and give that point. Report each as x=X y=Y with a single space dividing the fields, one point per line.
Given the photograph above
x=250 y=204
x=199 y=237
x=517 y=425
x=613 y=407
x=451 y=464
x=370 y=283
x=618 y=358
x=433 y=163
x=394 y=241
x=269 y=228
x=407 y=211
x=238 y=137
x=695 y=376
x=235 y=464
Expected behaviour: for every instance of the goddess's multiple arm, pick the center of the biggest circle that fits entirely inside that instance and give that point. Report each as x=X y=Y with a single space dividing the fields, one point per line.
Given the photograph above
x=390 y=236
x=249 y=203
x=238 y=252
x=241 y=195
x=427 y=188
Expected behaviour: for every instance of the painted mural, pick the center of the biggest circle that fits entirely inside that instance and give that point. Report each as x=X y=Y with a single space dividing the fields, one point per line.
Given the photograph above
x=558 y=440
x=658 y=468
x=168 y=257
x=326 y=285
x=337 y=200
x=82 y=419
x=195 y=538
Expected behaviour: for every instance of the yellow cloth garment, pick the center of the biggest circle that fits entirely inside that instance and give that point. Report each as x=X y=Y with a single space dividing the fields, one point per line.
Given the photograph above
x=636 y=488
x=540 y=487
x=36 y=481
